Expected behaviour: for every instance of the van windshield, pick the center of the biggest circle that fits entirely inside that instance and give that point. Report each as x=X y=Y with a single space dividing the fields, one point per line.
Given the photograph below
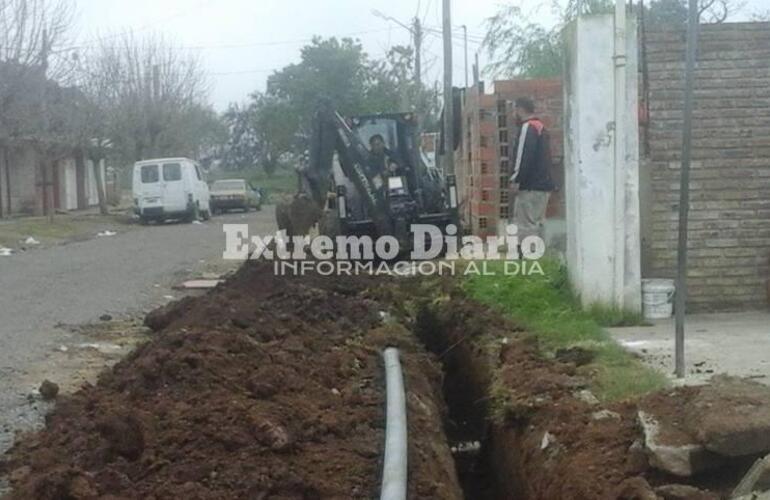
x=149 y=174
x=229 y=185
x=172 y=172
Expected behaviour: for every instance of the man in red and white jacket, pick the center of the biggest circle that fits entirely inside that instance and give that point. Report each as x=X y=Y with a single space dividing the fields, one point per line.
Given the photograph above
x=531 y=182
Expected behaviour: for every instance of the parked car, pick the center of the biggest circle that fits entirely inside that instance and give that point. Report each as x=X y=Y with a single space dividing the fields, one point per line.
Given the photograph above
x=170 y=188
x=228 y=194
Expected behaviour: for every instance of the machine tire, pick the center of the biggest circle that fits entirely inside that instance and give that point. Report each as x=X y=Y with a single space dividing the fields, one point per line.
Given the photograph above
x=329 y=224
x=193 y=213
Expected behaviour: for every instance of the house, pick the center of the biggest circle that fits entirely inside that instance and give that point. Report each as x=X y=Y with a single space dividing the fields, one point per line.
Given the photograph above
x=23 y=182
x=26 y=173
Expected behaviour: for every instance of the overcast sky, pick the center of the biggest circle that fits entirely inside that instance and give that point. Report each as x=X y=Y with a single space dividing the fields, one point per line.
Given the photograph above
x=242 y=41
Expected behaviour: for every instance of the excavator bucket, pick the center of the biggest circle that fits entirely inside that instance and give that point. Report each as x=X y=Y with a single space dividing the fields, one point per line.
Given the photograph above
x=298 y=216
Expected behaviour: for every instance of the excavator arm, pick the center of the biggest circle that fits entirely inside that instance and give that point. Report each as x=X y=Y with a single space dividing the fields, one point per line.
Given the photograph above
x=384 y=203
x=331 y=134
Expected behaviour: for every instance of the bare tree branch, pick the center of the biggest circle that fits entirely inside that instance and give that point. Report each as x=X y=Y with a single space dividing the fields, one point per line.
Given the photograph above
x=143 y=93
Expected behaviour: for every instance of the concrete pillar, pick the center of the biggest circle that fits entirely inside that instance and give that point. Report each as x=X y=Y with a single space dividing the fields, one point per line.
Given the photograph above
x=602 y=194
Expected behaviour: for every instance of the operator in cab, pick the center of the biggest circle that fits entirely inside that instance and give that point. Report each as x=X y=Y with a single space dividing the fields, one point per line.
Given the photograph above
x=381 y=158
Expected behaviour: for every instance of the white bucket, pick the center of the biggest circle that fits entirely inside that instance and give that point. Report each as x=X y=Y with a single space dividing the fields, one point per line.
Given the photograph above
x=657 y=298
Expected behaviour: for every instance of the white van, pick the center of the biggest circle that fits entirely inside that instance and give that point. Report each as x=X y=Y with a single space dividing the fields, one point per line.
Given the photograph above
x=170 y=188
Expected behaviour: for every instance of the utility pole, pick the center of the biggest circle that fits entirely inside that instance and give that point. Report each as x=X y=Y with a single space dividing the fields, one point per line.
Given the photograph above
x=465 y=39
x=45 y=162
x=684 y=187
x=155 y=115
x=417 y=34
x=416 y=31
x=449 y=130
x=156 y=83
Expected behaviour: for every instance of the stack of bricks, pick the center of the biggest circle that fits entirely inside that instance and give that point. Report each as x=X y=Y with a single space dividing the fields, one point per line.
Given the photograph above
x=485 y=160
x=729 y=234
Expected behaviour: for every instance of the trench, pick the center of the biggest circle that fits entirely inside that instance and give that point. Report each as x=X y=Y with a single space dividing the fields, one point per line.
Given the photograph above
x=466 y=425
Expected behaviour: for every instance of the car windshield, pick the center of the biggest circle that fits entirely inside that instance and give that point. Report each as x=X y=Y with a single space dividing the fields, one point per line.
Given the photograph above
x=229 y=185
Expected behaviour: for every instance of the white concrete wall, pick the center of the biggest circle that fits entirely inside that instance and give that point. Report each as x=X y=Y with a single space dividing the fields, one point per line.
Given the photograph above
x=591 y=170
x=632 y=280
x=92 y=196
x=68 y=187
x=23 y=173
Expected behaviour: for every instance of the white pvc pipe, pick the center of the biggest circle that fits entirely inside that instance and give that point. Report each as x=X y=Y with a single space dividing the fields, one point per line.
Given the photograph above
x=394 y=470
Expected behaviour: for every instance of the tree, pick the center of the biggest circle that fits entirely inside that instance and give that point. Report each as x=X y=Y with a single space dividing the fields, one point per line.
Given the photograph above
x=673 y=13
x=277 y=129
x=31 y=32
x=520 y=48
x=142 y=98
x=392 y=87
x=661 y=13
x=277 y=121
x=31 y=28
x=147 y=97
x=242 y=148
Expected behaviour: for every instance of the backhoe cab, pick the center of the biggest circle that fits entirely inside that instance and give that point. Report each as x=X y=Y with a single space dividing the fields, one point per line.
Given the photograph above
x=366 y=176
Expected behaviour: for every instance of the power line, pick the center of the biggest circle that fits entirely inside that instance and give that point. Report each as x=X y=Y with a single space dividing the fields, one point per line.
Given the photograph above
x=246 y=45
x=242 y=72
x=461 y=36
x=144 y=27
x=424 y=16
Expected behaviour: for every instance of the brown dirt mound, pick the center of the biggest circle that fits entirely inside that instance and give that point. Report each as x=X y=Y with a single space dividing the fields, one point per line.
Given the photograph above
x=264 y=388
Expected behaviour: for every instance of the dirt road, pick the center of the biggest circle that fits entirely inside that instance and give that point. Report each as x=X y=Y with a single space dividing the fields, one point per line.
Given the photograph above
x=44 y=291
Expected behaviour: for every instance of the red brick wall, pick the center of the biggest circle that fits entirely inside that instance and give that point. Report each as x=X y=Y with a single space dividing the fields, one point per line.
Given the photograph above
x=482 y=215
x=547 y=94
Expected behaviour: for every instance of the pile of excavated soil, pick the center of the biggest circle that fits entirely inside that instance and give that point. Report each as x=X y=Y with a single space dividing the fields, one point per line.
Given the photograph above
x=265 y=387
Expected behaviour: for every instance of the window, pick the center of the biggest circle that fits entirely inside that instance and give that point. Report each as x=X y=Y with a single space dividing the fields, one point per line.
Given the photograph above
x=484 y=168
x=503 y=135
x=503 y=196
x=504 y=151
x=504 y=165
x=504 y=182
x=482 y=222
x=483 y=114
x=503 y=211
x=149 y=174
x=172 y=172
x=484 y=195
x=501 y=105
x=483 y=141
x=502 y=121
